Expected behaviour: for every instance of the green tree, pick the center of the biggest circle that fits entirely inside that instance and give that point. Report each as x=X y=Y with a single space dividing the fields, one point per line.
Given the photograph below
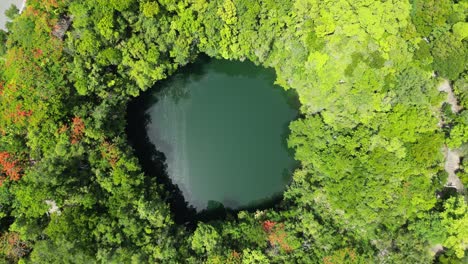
x=450 y=56
x=205 y=239
x=12 y=12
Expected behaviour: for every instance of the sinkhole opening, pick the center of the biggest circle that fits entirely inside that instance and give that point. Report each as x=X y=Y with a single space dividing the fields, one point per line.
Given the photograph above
x=214 y=135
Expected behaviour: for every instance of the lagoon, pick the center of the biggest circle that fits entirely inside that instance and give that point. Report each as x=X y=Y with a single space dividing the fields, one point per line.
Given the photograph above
x=222 y=128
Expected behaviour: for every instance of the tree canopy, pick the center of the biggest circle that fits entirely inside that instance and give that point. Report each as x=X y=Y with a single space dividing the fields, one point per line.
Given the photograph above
x=372 y=185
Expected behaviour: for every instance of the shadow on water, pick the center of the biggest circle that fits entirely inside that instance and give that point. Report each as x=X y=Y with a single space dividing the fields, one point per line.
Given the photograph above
x=153 y=161
x=245 y=69
x=216 y=210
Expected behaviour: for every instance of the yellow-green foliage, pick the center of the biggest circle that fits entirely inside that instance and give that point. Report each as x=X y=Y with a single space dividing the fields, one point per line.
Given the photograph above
x=370 y=184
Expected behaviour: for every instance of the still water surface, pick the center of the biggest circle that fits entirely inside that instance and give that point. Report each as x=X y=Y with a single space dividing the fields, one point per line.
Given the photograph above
x=222 y=126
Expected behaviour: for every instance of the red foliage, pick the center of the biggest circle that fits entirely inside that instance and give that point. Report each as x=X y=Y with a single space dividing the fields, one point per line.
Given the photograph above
x=276 y=234
x=235 y=254
x=31 y=11
x=37 y=53
x=9 y=167
x=50 y=3
x=13 y=238
x=12 y=246
x=78 y=130
x=18 y=115
x=268 y=225
x=279 y=239
x=110 y=153
x=22 y=113
x=341 y=256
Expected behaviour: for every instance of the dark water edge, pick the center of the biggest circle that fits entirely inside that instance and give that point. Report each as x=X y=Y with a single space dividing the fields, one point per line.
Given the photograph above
x=153 y=161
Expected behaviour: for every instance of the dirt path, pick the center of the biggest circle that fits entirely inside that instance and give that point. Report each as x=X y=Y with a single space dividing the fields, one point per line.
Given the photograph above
x=436 y=249
x=452 y=157
x=452 y=164
x=451 y=99
x=23 y=5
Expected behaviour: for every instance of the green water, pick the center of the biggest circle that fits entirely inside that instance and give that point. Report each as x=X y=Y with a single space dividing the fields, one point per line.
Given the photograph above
x=222 y=126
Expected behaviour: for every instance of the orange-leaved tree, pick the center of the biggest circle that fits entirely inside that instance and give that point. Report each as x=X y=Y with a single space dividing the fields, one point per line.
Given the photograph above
x=9 y=167
x=78 y=129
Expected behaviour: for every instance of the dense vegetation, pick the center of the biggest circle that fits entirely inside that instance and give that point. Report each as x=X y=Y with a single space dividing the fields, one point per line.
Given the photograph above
x=371 y=187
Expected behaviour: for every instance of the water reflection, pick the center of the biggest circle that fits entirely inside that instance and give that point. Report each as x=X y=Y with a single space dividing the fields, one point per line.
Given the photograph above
x=164 y=158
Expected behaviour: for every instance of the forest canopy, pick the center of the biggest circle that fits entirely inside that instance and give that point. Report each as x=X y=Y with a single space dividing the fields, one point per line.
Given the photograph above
x=383 y=87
